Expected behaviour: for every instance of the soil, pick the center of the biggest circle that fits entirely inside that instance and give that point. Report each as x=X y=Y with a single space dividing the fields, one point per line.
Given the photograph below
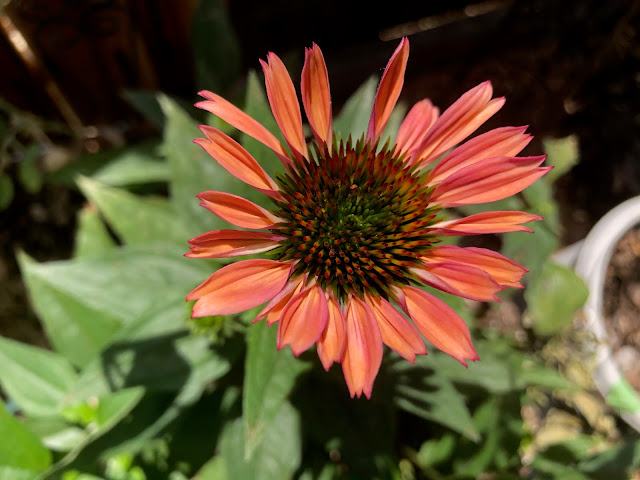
x=622 y=306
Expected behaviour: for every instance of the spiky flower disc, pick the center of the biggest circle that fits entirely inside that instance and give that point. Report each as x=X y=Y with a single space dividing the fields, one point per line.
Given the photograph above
x=356 y=218
x=354 y=229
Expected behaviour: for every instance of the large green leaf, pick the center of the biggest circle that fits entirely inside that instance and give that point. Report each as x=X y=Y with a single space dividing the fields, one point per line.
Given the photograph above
x=101 y=414
x=81 y=302
x=11 y=473
x=55 y=432
x=19 y=448
x=159 y=411
x=36 y=379
x=270 y=375
x=554 y=297
x=192 y=171
x=136 y=220
x=92 y=236
x=501 y=368
x=277 y=457
x=354 y=117
x=131 y=168
x=428 y=394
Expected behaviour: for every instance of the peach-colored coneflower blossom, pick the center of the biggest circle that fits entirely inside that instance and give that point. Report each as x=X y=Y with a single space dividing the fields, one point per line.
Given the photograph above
x=352 y=235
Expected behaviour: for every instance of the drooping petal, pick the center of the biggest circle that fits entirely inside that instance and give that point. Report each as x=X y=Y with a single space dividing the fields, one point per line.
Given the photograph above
x=330 y=345
x=231 y=243
x=440 y=324
x=415 y=126
x=284 y=102
x=243 y=122
x=239 y=286
x=388 y=91
x=500 y=142
x=396 y=331
x=503 y=270
x=236 y=160
x=457 y=122
x=303 y=320
x=489 y=180
x=363 y=348
x=316 y=96
x=273 y=310
x=487 y=222
x=237 y=210
x=458 y=279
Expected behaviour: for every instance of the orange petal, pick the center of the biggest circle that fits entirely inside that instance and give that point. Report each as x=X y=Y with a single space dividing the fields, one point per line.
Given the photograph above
x=363 y=348
x=239 y=286
x=396 y=331
x=500 y=142
x=231 y=243
x=489 y=180
x=462 y=280
x=240 y=120
x=487 y=222
x=458 y=122
x=330 y=345
x=316 y=96
x=284 y=102
x=440 y=324
x=237 y=210
x=503 y=270
x=273 y=310
x=236 y=160
x=415 y=126
x=303 y=320
x=388 y=91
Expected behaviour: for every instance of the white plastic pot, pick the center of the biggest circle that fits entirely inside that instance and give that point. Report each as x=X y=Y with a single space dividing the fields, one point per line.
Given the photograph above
x=592 y=257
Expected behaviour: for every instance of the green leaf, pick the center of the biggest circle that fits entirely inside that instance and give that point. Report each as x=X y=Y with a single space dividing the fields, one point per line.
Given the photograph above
x=432 y=452
x=257 y=107
x=21 y=449
x=80 y=302
x=135 y=219
x=146 y=103
x=501 y=369
x=531 y=250
x=354 y=117
x=11 y=473
x=562 y=153
x=55 y=432
x=6 y=191
x=624 y=396
x=540 y=199
x=616 y=462
x=276 y=458
x=159 y=410
x=131 y=168
x=429 y=395
x=270 y=375
x=216 y=52
x=553 y=298
x=192 y=170
x=107 y=412
x=160 y=364
x=36 y=379
x=214 y=469
x=92 y=236
x=29 y=172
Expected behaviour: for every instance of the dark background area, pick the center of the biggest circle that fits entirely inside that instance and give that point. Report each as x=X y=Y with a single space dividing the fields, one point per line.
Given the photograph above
x=566 y=68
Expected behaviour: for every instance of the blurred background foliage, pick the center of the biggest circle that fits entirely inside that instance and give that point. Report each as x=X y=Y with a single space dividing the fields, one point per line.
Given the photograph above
x=108 y=378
